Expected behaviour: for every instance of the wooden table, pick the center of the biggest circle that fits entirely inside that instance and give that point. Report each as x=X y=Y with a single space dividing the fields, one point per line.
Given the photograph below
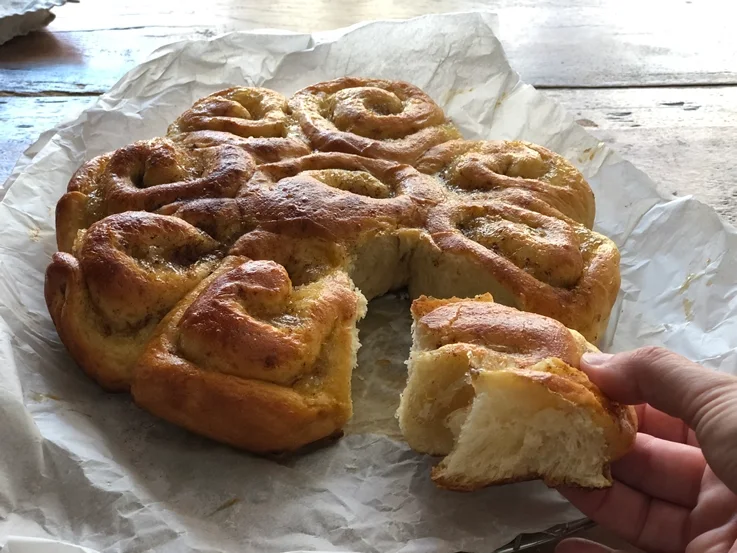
x=656 y=79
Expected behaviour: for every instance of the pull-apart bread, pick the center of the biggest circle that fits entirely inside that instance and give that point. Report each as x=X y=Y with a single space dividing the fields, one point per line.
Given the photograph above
x=217 y=273
x=498 y=392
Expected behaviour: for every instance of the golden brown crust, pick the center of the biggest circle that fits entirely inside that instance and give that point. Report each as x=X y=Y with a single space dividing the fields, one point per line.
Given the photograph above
x=147 y=176
x=538 y=350
x=241 y=111
x=223 y=219
x=248 y=414
x=256 y=120
x=261 y=150
x=423 y=305
x=305 y=259
x=251 y=323
x=337 y=196
x=361 y=176
x=549 y=264
x=526 y=337
x=372 y=118
x=72 y=215
x=80 y=206
x=476 y=169
x=250 y=361
x=126 y=273
x=236 y=178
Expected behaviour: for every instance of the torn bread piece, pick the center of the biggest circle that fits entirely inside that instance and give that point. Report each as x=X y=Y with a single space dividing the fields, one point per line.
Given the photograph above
x=498 y=393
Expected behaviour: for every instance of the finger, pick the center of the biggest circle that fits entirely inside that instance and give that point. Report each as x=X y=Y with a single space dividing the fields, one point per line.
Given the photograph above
x=716 y=509
x=665 y=380
x=580 y=545
x=706 y=400
x=667 y=470
x=646 y=522
x=656 y=423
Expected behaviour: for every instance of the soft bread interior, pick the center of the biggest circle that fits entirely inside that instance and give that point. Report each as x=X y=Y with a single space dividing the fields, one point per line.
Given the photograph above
x=517 y=429
x=438 y=391
x=497 y=423
x=440 y=275
x=381 y=262
x=488 y=388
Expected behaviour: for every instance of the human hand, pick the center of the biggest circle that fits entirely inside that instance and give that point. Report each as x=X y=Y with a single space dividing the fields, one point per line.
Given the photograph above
x=676 y=491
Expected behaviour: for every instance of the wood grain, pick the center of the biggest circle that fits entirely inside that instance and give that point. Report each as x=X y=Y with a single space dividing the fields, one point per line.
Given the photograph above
x=551 y=43
x=685 y=139
x=88 y=63
x=22 y=120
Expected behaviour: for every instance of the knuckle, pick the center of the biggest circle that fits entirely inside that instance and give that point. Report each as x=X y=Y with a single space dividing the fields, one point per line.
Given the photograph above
x=651 y=355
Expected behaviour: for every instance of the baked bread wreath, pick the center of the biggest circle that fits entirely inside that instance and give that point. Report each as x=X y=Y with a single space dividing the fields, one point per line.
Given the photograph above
x=218 y=273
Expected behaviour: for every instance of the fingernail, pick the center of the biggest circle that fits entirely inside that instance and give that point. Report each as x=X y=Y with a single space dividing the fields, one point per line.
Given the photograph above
x=596 y=359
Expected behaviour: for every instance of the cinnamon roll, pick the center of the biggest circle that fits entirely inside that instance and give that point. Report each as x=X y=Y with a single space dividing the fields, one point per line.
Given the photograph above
x=535 y=261
x=372 y=118
x=493 y=169
x=122 y=277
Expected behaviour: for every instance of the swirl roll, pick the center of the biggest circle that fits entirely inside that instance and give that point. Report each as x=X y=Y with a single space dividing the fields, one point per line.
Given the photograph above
x=124 y=274
x=498 y=392
x=242 y=111
x=257 y=120
x=341 y=192
x=270 y=362
x=374 y=209
x=147 y=176
x=371 y=117
x=535 y=261
x=493 y=169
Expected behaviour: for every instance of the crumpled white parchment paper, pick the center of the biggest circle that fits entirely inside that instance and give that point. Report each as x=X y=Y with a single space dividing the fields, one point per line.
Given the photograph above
x=20 y=17
x=89 y=468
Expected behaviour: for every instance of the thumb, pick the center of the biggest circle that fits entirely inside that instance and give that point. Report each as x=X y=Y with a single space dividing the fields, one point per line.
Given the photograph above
x=705 y=400
x=664 y=379
x=578 y=545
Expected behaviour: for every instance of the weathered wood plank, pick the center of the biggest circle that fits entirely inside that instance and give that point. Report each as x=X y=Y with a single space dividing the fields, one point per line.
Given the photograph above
x=80 y=62
x=558 y=43
x=22 y=120
x=684 y=138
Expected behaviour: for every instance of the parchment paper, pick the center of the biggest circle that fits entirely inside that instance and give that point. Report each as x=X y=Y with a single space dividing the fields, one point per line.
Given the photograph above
x=89 y=468
x=20 y=17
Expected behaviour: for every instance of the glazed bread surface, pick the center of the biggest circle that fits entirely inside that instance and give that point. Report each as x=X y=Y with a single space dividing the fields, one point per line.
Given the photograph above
x=218 y=273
